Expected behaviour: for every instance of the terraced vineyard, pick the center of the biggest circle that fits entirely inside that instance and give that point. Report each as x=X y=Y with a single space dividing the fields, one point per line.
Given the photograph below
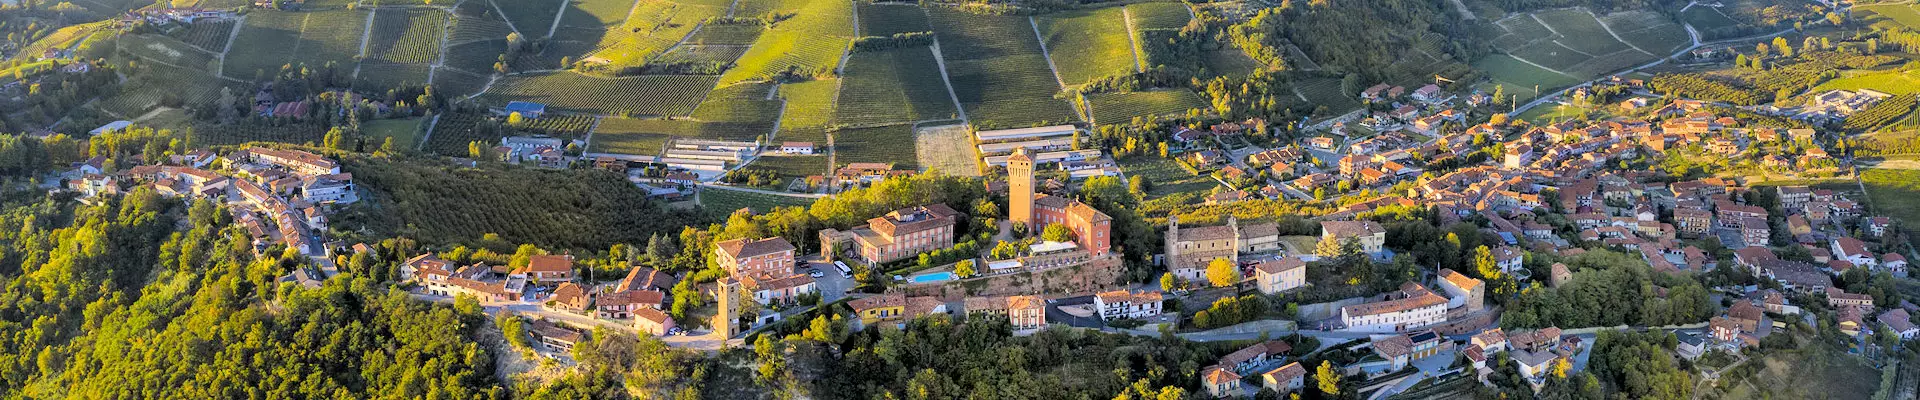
x=468 y=28
x=231 y=134
x=1557 y=47
x=181 y=86
x=652 y=28
x=270 y=39
x=1087 y=44
x=727 y=34
x=571 y=91
x=454 y=131
x=165 y=50
x=901 y=85
x=997 y=69
x=407 y=35
x=378 y=76
x=1159 y=15
x=809 y=44
x=1119 y=108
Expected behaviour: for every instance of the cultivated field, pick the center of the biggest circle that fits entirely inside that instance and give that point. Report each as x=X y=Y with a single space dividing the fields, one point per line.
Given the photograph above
x=475 y=57
x=1120 y=108
x=1087 y=44
x=407 y=35
x=164 y=85
x=378 y=76
x=809 y=104
x=1891 y=81
x=455 y=83
x=948 y=149
x=271 y=39
x=889 y=19
x=1902 y=15
x=209 y=36
x=809 y=44
x=455 y=130
x=1164 y=177
x=642 y=95
x=628 y=136
x=901 y=85
x=486 y=25
x=1326 y=92
x=727 y=34
x=1159 y=15
x=165 y=50
x=1554 y=48
x=405 y=132
x=997 y=69
x=722 y=202
x=886 y=144
x=792 y=165
x=531 y=17
x=738 y=112
x=231 y=134
x=1707 y=18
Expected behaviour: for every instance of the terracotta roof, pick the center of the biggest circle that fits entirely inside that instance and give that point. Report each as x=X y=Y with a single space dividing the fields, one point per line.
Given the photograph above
x=1206 y=233
x=883 y=300
x=1393 y=347
x=651 y=315
x=913 y=219
x=1287 y=372
x=632 y=297
x=1344 y=229
x=550 y=263
x=745 y=248
x=1025 y=302
x=1459 y=280
x=1215 y=375
x=570 y=295
x=1417 y=298
x=1280 y=265
x=646 y=278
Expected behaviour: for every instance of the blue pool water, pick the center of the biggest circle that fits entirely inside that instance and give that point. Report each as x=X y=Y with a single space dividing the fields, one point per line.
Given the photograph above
x=933 y=277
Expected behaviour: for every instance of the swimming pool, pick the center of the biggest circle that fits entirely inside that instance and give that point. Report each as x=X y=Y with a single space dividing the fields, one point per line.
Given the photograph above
x=933 y=277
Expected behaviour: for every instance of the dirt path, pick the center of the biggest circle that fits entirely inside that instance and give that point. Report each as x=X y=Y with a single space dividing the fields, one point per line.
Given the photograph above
x=1464 y=12
x=1126 y=13
x=366 y=38
x=222 y=57
x=422 y=146
x=557 y=15
x=503 y=18
x=942 y=62
x=1042 y=39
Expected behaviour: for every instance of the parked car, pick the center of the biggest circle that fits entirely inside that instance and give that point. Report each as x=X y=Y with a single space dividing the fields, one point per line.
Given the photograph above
x=816 y=273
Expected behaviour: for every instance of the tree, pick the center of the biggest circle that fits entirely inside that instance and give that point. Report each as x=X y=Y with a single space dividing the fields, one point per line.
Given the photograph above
x=1327 y=379
x=1168 y=282
x=1484 y=263
x=515 y=119
x=1056 y=233
x=1222 y=272
x=1780 y=42
x=515 y=329
x=1328 y=248
x=386 y=146
x=1499 y=119
x=964 y=268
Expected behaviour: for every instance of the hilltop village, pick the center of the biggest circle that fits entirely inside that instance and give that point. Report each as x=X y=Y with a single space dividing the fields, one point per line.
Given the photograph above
x=1453 y=253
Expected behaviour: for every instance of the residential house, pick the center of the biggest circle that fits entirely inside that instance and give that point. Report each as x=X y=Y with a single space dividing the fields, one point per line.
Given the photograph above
x=1121 y=304
x=1368 y=234
x=1411 y=306
x=1280 y=275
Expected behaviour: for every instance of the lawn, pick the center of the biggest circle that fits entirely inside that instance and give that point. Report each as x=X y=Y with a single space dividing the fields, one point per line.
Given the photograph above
x=270 y=39
x=1513 y=73
x=1121 y=108
x=1087 y=45
x=572 y=91
x=889 y=19
x=721 y=202
x=809 y=43
x=1165 y=177
x=900 y=85
x=886 y=144
x=809 y=104
x=628 y=136
x=407 y=35
x=405 y=132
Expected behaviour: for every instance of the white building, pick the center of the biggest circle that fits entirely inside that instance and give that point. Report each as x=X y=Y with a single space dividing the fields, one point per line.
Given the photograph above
x=1280 y=275
x=1120 y=304
x=1412 y=306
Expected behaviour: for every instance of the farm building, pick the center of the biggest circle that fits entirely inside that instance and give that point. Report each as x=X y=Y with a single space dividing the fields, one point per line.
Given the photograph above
x=1014 y=135
x=525 y=109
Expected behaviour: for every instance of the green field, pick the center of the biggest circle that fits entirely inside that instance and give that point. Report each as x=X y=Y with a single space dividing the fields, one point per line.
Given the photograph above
x=455 y=83
x=1707 y=18
x=1121 y=108
x=889 y=19
x=1889 y=15
x=164 y=85
x=998 y=71
x=1164 y=177
x=210 y=36
x=652 y=28
x=405 y=132
x=1893 y=192
x=377 y=76
x=454 y=131
x=271 y=39
x=722 y=202
x=571 y=91
x=901 y=85
x=1889 y=81
x=467 y=28
x=407 y=35
x=793 y=166
x=1326 y=92
x=1580 y=31
x=886 y=144
x=1087 y=44
x=739 y=112
x=1552 y=55
x=1648 y=31
x=809 y=44
x=165 y=50
x=1512 y=73
x=531 y=17
x=475 y=57
x=231 y=134
x=1159 y=15
x=809 y=104
x=727 y=34
x=628 y=136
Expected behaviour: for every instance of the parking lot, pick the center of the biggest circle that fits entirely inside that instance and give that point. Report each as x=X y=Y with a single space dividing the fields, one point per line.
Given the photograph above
x=833 y=286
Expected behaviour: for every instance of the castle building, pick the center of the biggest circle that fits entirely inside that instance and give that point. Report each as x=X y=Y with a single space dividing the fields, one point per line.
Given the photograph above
x=1092 y=229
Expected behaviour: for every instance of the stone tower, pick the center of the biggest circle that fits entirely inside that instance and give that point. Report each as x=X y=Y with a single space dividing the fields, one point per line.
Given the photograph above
x=1020 y=188
x=724 y=317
